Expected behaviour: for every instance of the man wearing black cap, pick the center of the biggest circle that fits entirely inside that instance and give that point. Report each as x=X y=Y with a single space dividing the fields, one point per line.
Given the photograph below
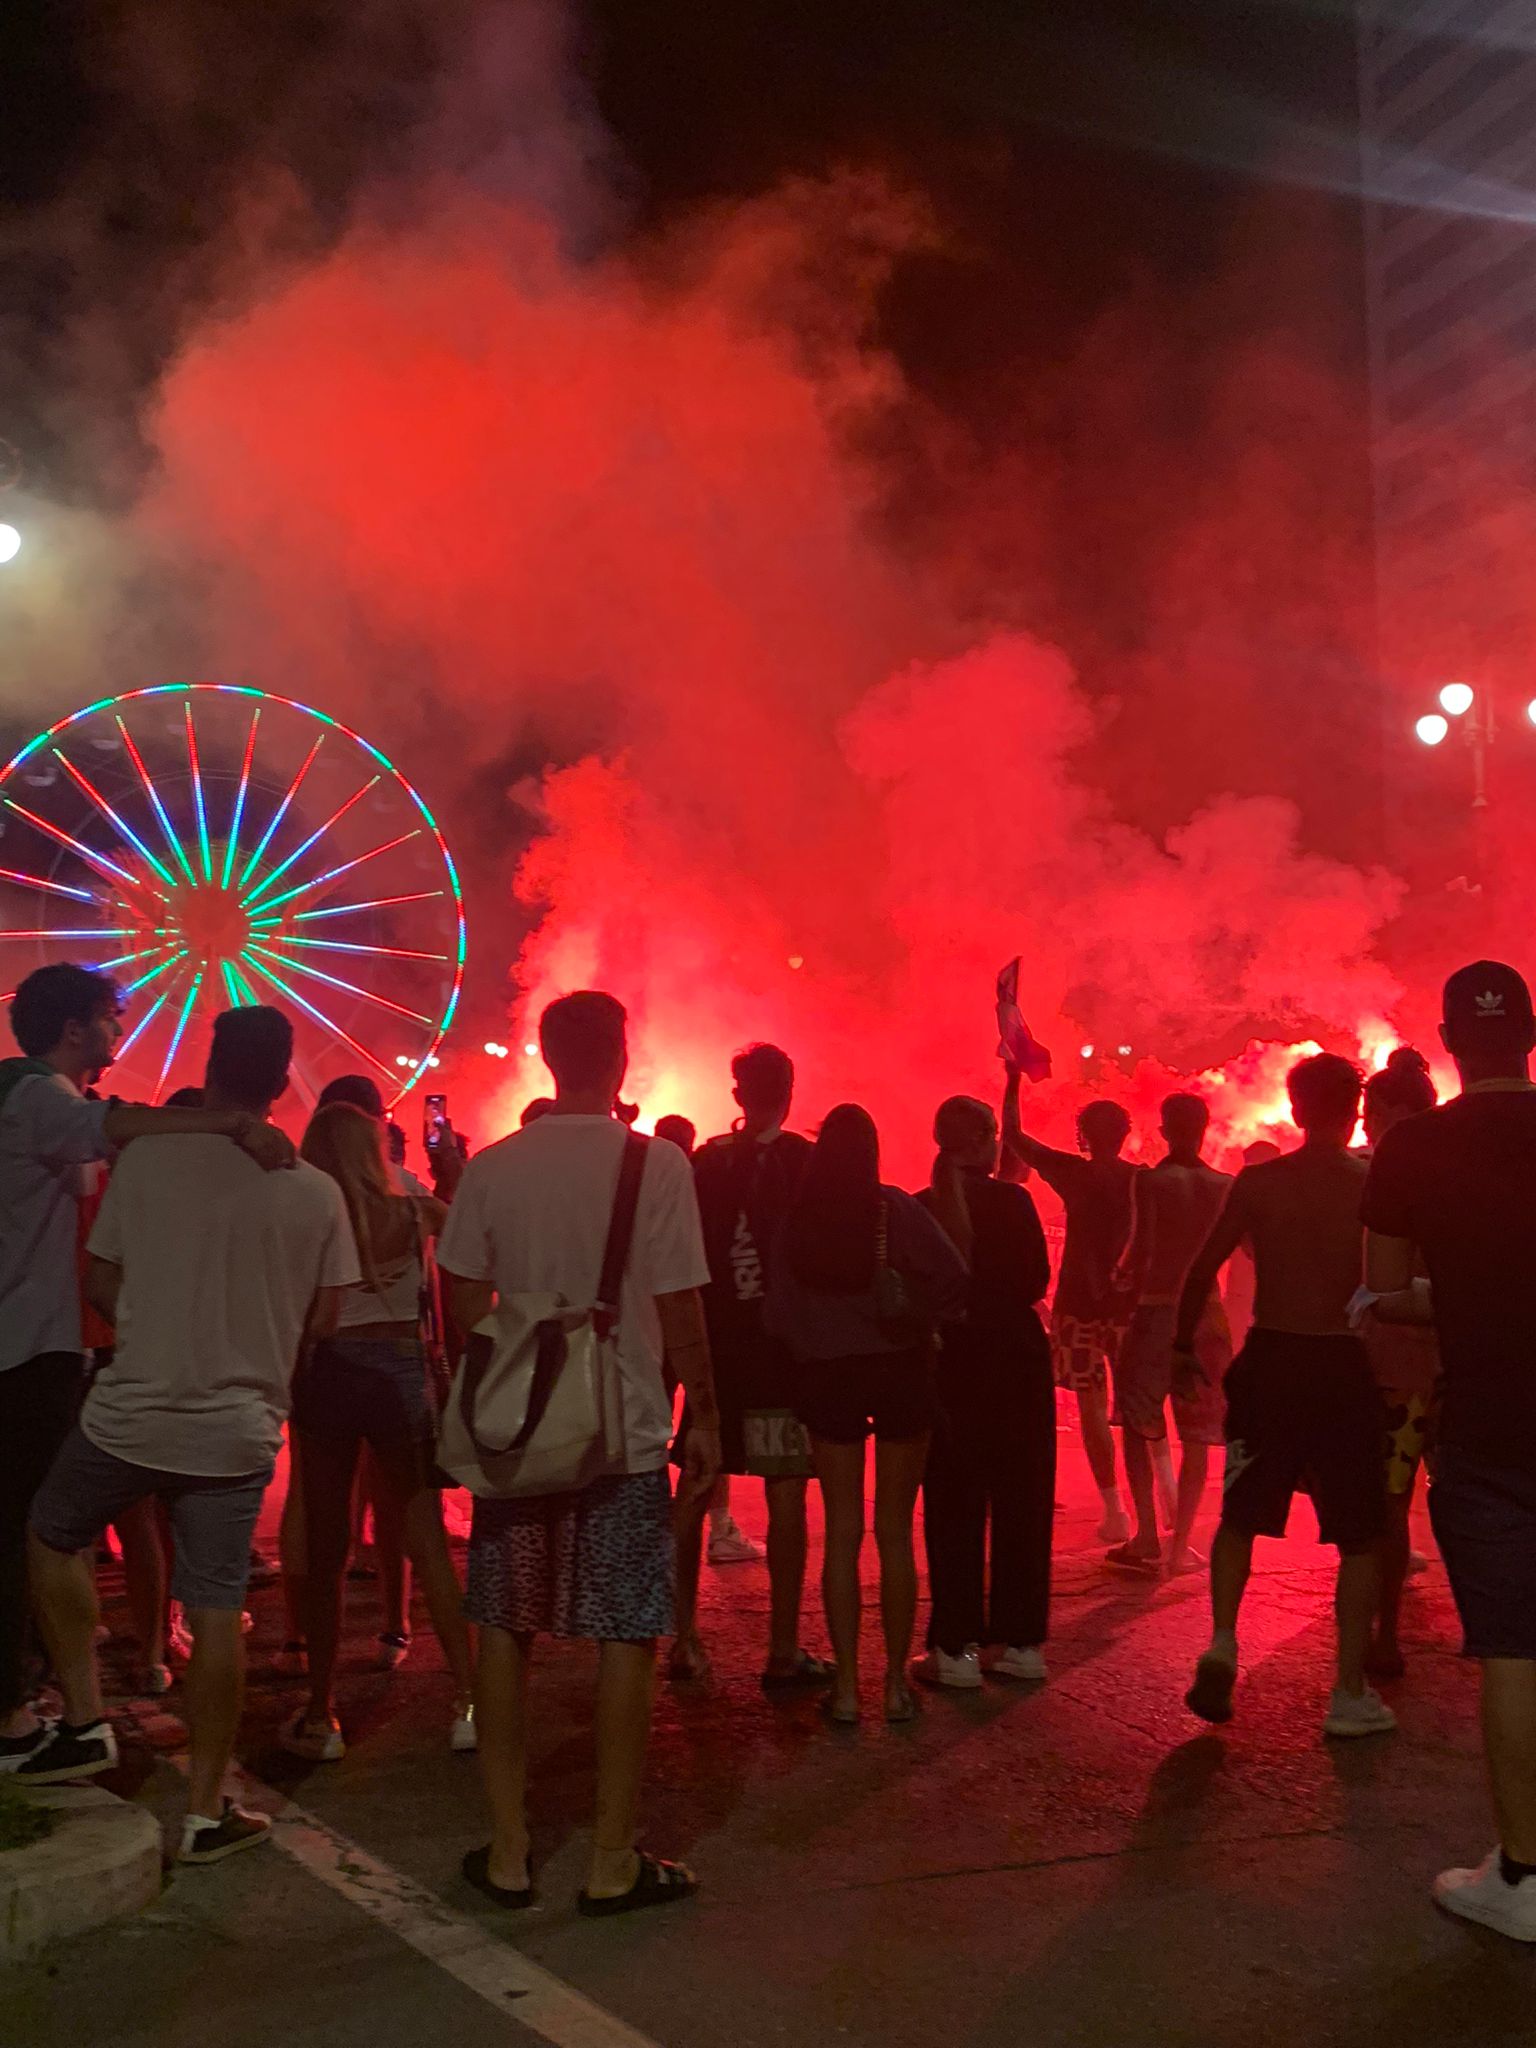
x=1458 y=1184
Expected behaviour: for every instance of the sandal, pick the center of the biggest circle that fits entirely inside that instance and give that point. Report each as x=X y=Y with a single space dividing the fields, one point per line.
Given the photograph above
x=656 y=1884
x=1123 y=1559
x=839 y=1717
x=476 y=1870
x=901 y=1704
x=806 y=1674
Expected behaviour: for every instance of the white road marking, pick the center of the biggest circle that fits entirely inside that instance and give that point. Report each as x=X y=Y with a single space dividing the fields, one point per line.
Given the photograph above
x=520 y=1990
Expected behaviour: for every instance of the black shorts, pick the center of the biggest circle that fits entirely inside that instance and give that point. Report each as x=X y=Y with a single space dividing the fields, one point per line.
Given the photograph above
x=1304 y=1412
x=889 y=1393
x=372 y=1390
x=1484 y=1518
x=761 y=1436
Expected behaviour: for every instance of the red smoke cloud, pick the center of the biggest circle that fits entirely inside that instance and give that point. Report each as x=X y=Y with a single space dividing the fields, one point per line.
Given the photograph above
x=466 y=491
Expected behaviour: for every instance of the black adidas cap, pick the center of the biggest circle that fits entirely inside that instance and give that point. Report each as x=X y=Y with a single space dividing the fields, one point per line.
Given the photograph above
x=1487 y=1000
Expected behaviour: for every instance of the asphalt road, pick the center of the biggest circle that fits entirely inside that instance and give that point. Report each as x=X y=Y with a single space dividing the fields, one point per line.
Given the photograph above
x=1069 y=1866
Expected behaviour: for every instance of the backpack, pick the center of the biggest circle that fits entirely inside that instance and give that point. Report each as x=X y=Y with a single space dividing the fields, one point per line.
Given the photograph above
x=537 y=1404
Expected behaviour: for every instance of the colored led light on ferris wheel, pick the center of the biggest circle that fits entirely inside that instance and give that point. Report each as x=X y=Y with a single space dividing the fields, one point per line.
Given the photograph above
x=1431 y=729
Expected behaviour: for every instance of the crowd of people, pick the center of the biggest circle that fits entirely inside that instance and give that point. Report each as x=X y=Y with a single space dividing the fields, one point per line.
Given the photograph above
x=757 y=1307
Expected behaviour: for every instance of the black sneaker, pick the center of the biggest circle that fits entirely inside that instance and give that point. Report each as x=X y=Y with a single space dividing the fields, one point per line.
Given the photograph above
x=15 y=1749
x=202 y=1842
x=70 y=1753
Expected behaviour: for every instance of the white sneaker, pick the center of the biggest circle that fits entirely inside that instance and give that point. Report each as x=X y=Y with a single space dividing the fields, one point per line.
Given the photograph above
x=463 y=1735
x=1115 y=1527
x=729 y=1545
x=393 y=1651
x=1027 y=1664
x=1365 y=1713
x=962 y=1673
x=1482 y=1895
x=324 y=1744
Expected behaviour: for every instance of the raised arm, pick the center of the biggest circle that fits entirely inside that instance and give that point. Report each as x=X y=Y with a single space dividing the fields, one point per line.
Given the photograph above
x=1051 y=1165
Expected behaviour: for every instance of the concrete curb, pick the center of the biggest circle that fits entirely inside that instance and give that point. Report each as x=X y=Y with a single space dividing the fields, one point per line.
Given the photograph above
x=102 y=1861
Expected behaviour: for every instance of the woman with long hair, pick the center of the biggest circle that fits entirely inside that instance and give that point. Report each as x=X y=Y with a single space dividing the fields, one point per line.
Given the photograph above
x=368 y=1384
x=863 y=1275
x=1405 y=1358
x=993 y=1456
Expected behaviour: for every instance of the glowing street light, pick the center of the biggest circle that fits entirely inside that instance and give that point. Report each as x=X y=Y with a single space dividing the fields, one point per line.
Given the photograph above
x=10 y=543
x=1457 y=699
x=1530 y=711
x=1432 y=728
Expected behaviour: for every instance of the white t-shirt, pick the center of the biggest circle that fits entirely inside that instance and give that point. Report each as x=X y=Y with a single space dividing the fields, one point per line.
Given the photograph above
x=531 y=1216
x=49 y=1136
x=221 y=1262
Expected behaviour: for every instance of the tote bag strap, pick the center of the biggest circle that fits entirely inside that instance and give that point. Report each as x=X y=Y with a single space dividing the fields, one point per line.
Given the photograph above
x=621 y=1232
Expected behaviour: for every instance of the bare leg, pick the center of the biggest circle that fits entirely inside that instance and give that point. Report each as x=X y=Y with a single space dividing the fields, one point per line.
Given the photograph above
x=327 y=1469
x=1231 y=1562
x=689 y=1659
x=1509 y=1739
x=625 y=1683
x=1386 y=1656
x=1098 y=1437
x=64 y=1592
x=501 y=1716
x=1354 y=1607
x=1167 y=1491
x=1138 y=1471
x=787 y=1544
x=898 y=1474
x=720 y=1502
x=390 y=1548
x=292 y=1547
x=427 y=1544
x=215 y=1695
x=1194 y=1466
x=840 y=1472
x=138 y=1530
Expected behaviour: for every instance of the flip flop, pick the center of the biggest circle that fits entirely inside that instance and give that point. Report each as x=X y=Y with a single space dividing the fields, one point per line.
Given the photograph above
x=902 y=1706
x=807 y=1674
x=656 y=1884
x=1123 y=1559
x=476 y=1870
x=839 y=1717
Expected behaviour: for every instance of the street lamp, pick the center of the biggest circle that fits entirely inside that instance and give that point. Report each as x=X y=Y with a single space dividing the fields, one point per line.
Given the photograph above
x=1432 y=728
x=10 y=543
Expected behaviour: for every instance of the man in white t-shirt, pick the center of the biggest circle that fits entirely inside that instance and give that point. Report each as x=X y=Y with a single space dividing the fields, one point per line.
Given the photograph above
x=215 y=1274
x=532 y=1216
x=67 y=1021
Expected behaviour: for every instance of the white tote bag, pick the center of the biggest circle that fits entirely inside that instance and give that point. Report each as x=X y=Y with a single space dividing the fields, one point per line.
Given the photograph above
x=537 y=1404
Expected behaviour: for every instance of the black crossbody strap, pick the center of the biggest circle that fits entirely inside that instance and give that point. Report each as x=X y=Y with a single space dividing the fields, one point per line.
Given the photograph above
x=621 y=1232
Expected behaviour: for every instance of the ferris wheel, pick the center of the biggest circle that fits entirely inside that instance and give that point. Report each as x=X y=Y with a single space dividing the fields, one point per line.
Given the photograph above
x=210 y=845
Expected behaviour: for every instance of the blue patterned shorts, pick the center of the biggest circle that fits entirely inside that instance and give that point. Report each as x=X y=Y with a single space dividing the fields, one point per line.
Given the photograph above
x=595 y=1565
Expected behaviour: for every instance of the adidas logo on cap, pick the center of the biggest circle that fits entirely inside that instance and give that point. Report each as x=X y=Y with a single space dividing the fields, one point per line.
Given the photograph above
x=1490 y=1003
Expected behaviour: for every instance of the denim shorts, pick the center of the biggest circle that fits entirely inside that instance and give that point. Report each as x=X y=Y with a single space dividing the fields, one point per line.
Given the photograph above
x=213 y=1519
x=1484 y=1518
x=372 y=1390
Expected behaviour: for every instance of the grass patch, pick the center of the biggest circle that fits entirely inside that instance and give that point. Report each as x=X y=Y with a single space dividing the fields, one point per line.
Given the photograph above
x=22 y=1820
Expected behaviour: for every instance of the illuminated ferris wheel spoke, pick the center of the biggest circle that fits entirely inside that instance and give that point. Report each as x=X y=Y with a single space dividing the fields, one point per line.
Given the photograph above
x=127 y=959
x=346 y=868
x=351 y=987
x=53 y=888
x=148 y=1017
x=319 y=1015
x=231 y=986
x=280 y=813
x=319 y=833
x=246 y=993
x=376 y=903
x=154 y=973
x=336 y=946
x=197 y=796
x=94 y=931
x=153 y=794
x=176 y=1036
x=84 y=782
x=86 y=853
x=239 y=812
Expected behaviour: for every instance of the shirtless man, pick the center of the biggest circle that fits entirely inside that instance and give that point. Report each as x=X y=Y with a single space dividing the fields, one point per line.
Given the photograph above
x=1176 y=1203
x=1301 y=1400
x=1090 y=1309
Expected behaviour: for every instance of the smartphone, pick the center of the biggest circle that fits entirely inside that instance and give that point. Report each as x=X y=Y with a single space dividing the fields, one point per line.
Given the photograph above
x=436 y=1109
